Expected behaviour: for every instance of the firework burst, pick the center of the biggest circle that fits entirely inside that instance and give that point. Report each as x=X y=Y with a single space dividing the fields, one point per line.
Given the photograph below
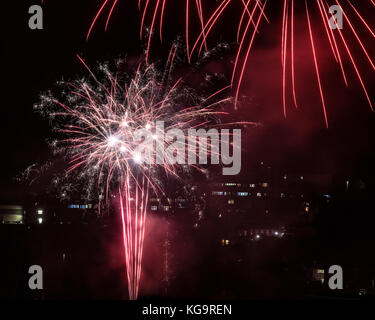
x=104 y=123
x=249 y=17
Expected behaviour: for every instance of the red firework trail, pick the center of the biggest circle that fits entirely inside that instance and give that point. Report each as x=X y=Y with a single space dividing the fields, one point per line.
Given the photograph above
x=333 y=37
x=133 y=218
x=249 y=20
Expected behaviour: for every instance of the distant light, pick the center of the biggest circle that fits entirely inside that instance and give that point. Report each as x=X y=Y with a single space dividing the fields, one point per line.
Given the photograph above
x=154 y=136
x=40 y=220
x=122 y=149
x=276 y=233
x=112 y=140
x=148 y=126
x=257 y=236
x=137 y=158
x=39 y=211
x=124 y=123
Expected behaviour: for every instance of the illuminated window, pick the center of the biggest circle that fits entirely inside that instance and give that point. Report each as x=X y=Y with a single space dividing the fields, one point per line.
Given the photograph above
x=166 y=208
x=242 y=194
x=252 y=185
x=217 y=193
x=259 y=194
x=73 y=206
x=282 y=195
x=231 y=184
x=319 y=275
x=230 y=201
x=39 y=211
x=154 y=208
x=227 y=242
x=264 y=184
x=40 y=220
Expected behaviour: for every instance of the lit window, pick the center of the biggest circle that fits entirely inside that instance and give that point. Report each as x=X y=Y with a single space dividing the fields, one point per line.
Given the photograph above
x=227 y=242
x=252 y=185
x=264 y=184
x=230 y=201
x=282 y=195
x=40 y=220
x=259 y=194
x=242 y=194
x=73 y=206
x=217 y=193
x=231 y=184
x=154 y=208
x=319 y=275
x=40 y=211
x=166 y=208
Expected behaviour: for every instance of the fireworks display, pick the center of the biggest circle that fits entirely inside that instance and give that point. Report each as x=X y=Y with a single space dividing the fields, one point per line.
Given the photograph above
x=250 y=13
x=102 y=121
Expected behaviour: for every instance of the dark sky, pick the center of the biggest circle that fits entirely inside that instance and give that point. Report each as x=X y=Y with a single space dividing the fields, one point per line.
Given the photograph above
x=34 y=59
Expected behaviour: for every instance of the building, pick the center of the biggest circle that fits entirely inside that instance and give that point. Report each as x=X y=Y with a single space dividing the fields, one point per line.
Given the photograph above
x=12 y=214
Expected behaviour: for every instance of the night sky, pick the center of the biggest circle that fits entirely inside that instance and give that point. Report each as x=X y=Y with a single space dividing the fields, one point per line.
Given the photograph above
x=35 y=59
